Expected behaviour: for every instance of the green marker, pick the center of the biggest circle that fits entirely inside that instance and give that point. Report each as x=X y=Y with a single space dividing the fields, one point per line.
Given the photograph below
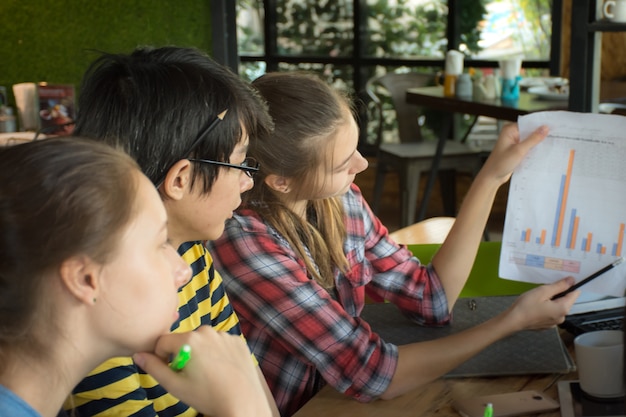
x=488 y=410
x=184 y=354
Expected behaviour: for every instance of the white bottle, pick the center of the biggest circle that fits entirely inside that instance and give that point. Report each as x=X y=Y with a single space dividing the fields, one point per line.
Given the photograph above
x=492 y=89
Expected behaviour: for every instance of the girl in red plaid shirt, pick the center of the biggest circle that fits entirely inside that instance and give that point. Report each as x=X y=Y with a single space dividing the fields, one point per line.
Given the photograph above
x=299 y=255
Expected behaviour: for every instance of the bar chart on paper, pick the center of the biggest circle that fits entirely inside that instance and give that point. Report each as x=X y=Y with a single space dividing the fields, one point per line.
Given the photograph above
x=566 y=211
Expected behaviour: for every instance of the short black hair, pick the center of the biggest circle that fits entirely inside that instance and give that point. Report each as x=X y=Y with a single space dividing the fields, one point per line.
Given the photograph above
x=154 y=102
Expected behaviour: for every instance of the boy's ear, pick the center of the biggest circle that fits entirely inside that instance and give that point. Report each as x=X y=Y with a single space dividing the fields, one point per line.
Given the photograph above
x=177 y=180
x=79 y=275
x=278 y=183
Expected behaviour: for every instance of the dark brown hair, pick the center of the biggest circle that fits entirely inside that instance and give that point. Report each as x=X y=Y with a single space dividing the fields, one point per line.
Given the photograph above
x=307 y=113
x=59 y=197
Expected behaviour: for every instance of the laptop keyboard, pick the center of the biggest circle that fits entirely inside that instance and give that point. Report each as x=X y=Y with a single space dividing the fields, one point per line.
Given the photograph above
x=611 y=319
x=616 y=323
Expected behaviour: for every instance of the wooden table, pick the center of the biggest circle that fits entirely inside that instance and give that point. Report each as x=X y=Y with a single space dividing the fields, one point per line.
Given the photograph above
x=15 y=138
x=435 y=399
x=433 y=98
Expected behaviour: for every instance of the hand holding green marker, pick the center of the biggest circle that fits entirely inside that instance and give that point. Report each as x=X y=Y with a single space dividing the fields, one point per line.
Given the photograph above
x=184 y=354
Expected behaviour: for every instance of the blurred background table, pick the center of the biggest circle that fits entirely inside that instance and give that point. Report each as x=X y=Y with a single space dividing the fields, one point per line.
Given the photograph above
x=432 y=97
x=14 y=138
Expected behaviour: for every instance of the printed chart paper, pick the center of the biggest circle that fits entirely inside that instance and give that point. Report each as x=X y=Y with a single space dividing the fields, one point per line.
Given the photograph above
x=566 y=210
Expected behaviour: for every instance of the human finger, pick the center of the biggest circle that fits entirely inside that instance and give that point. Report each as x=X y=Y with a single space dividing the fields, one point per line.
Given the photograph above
x=536 y=137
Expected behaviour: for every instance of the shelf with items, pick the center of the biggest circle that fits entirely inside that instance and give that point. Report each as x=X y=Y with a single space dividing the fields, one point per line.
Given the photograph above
x=606 y=26
x=587 y=26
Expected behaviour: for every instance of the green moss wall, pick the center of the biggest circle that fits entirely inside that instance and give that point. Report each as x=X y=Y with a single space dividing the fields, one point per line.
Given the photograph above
x=51 y=40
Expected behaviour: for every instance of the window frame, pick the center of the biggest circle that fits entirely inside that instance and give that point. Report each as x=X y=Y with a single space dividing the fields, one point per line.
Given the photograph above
x=272 y=58
x=359 y=61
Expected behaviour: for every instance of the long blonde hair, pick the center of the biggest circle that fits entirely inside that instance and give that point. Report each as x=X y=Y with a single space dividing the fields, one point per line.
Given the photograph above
x=307 y=113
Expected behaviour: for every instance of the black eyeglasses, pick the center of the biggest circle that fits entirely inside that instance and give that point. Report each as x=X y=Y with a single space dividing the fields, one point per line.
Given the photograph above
x=249 y=165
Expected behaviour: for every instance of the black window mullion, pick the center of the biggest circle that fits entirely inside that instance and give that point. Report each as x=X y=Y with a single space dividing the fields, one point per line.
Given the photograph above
x=360 y=42
x=362 y=64
x=453 y=26
x=270 y=26
x=555 y=37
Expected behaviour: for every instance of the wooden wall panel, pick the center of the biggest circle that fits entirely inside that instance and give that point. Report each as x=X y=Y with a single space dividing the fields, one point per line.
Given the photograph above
x=613 y=65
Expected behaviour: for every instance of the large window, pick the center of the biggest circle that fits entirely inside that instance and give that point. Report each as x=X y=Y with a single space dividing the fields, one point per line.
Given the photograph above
x=516 y=27
x=349 y=41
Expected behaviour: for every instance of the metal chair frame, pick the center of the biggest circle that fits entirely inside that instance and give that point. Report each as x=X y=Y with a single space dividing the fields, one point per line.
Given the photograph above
x=412 y=155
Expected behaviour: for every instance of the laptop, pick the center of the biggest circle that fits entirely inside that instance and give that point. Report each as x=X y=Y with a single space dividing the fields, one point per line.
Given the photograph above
x=590 y=314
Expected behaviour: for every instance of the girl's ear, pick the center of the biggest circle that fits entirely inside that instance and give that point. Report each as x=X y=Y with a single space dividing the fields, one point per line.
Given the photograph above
x=177 y=179
x=278 y=183
x=79 y=274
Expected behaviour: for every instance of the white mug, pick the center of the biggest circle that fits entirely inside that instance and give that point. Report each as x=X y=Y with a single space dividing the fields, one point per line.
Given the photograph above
x=615 y=10
x=600 y=363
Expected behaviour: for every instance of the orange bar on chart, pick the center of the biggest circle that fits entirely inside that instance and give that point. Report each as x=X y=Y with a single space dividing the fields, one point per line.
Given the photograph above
x=527 y=235
x=588 y=247
x=568 y=177
x=542 y=238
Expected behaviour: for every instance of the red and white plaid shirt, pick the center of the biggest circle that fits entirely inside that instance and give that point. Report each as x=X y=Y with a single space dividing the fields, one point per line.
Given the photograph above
x=304 y=336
